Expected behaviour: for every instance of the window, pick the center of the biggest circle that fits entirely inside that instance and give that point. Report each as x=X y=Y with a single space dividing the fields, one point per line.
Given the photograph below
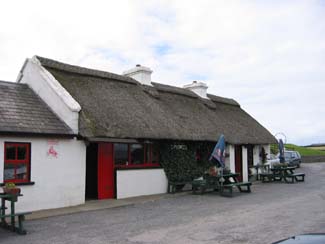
x=147 y=153
x=154 y=154
x=17 y=162
x=136 y=155
x=121 y=154
x=250 y=155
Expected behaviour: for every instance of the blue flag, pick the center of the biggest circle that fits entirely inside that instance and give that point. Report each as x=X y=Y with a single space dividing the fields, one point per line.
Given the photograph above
x=219 y=152
x=281 y=151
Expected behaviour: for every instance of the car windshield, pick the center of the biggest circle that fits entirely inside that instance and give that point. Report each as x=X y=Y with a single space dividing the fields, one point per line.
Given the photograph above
x=288 y=154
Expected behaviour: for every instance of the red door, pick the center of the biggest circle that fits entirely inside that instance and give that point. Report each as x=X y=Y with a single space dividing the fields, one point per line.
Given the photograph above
x=239 y=162
x=106 y=186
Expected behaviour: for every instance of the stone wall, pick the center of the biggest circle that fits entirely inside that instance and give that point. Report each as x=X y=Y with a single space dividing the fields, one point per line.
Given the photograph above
x=312 y=159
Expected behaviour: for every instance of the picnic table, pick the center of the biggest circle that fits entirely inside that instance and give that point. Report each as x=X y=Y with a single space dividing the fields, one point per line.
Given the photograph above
x=176 y=186
x=12 y=198
x=223 y=183
x=285 y=173
x=260 y=169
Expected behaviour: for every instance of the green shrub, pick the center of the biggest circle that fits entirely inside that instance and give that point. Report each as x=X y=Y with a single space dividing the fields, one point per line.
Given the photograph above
x=180 y=162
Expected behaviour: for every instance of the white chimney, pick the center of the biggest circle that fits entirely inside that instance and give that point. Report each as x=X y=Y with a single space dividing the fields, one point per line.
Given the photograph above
x=140 y=73
x=199 y=88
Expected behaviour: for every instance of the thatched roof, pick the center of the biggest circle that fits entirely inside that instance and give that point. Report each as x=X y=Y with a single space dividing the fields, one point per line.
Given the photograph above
x=23 y=112
x=115 y=106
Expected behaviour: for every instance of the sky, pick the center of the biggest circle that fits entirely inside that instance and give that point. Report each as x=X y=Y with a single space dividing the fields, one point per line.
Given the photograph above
x=267 y=55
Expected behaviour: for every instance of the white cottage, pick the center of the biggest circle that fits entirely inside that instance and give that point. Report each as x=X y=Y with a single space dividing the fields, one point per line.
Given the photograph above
x=38 y=151
x=109 y=130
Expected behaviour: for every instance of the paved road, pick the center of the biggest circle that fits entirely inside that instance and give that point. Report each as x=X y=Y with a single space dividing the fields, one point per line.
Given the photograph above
x=272 y=212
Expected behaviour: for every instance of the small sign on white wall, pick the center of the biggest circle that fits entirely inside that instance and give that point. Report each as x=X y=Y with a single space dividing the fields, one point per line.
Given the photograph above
x=52 y=148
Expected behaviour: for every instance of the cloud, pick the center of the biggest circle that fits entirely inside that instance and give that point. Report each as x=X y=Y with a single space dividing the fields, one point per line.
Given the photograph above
x=268 y=55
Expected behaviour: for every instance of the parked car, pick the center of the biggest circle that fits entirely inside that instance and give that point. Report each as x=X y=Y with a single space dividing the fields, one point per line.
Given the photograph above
x=293 y=158
x=304 y=239
x=272 y=159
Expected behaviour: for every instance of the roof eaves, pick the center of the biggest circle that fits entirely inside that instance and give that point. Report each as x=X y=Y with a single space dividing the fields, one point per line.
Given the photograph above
x=36 y=134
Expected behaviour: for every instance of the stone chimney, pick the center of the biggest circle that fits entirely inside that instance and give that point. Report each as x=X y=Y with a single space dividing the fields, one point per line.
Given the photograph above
x=199 y=88
x=140 y=73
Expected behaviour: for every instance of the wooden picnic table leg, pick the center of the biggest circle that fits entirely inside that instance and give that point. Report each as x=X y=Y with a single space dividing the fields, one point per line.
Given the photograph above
x=3 y=211
x=220 y=186
x=21 y=229
x=236 y=181
x=12 y=214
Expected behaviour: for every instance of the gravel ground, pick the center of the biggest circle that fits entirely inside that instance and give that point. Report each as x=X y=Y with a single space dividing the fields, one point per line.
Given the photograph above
x=271 y=212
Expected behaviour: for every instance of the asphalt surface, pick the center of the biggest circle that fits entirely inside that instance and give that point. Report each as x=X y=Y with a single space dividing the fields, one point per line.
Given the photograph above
x=273 y=211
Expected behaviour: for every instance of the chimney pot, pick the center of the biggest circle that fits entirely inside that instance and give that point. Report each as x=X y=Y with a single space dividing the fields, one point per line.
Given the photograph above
x=140 y=73
x=198 y=88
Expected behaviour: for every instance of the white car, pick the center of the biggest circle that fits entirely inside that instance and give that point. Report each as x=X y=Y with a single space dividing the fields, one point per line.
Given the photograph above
x=272 y=159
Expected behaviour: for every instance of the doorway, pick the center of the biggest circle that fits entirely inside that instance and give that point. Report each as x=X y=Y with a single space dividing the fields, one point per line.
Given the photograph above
x=106 y=179
x=100 y=176
x=239 y=161
x=250 y=159
x=91 y=171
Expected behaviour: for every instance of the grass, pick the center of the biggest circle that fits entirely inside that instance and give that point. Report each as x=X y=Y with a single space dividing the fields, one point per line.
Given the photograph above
x=304 y=151
x=321 y=148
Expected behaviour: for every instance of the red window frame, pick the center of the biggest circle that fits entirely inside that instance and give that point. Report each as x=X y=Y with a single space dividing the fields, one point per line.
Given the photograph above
x=16 y=161
x=147 y=162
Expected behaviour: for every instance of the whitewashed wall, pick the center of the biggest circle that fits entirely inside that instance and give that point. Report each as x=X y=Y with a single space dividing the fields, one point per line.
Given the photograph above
x=52 y=93
x=139 y=182
x=227 y=159
x=245 y=163
x=267 y=149
x=256 y=154
x=232 y=158
x=257 y=149
x=59 y=182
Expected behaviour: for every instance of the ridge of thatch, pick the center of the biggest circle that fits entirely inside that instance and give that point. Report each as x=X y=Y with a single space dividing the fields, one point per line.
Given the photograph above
x=128 y=110
x=224 y=100
x=53 y=64
x=175 y=90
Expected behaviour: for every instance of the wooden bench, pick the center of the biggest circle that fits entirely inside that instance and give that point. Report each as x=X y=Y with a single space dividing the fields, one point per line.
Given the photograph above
x=266 y=177
x=299 y=177
x=239 y=185
x=177 y=186
x=21 y=218
x=200 y=186
x=269 y=177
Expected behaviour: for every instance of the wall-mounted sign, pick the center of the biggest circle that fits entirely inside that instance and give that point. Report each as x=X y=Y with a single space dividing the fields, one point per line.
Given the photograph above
x=179 y=147
x=52 y=150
